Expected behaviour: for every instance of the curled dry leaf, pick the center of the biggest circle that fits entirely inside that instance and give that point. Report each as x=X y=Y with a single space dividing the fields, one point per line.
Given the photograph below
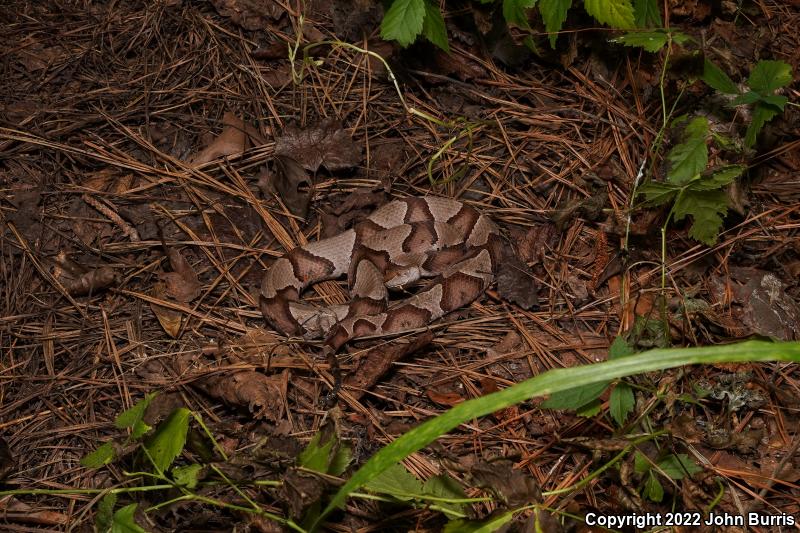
x=80 y=281
x=322 y=144
x=232 y=140
x=291 y=183
x=182 y=283
x=169 y=318
x=263 y=395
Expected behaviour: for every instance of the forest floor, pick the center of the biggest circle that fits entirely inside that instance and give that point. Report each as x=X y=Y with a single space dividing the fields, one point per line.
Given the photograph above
x=156 y=157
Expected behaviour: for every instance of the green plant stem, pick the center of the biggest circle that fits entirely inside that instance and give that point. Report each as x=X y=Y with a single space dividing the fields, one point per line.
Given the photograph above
x=614 y=460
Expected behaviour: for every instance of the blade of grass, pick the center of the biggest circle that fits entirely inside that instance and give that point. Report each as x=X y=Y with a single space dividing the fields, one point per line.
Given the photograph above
x=554 y=381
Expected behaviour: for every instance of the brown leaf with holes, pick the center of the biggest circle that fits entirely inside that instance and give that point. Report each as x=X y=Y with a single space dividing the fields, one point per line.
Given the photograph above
x=263 y=395
x=515 y=281
x=322 y=144
x=251 y=15
x=80 y=281
x=182 y=283
x=232 y=140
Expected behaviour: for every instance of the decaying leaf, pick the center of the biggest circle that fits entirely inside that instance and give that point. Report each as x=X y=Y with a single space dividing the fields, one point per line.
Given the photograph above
x=232 y=140
x=251 y=15
x=322 y=144
x=514 y=487
x=300 y=490
x=182 y=283
x=377 y=361
x=515 y=281
x=263 y=395
x=290 y=182
x=80 y=281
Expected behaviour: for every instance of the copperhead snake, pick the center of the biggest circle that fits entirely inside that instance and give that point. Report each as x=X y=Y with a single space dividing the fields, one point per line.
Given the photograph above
x=399 y=243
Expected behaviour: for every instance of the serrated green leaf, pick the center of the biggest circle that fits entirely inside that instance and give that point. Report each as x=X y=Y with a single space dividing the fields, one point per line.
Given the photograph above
x=104 y=517
x=621 y=402
x=653 y=490
x=187 y=476
x=515 y=12
x=690 y=157
x=130 y=417
x=433 y=27
x=554 y=13
x=444 y=486
x=652 y=41
x=776 y=100
x=640 y=463
x=716 y=78
x=706 y=209
x=646 y=13
x=168 y=440
x=404 y=21
x=750 y=97
x=616 y=13
x=677 y=466
x=767 y=76
x=488 y=525
x=124 y=522
x=139 y=430
x=575 y=398
x=657 y=193
x=397 y=482
x=101 y=456
x=619 y=348
x=717 y=179
x=762 y=113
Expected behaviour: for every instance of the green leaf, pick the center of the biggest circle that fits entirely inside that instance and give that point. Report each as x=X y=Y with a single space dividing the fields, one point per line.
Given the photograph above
x=776 y=100
x=433 y=27
x=652 y=41
x=646 y=13
x=104 y=517
x=442 y=487
x=621 y=402
x=652 y=488
x=762 y=113
x=397 y=482
x=619 y=348
x=690 y=157
x=590 y=409
x=676 y=466
x=187 y=476
x=616 y=13
x=341 y=459
x=640 y=463
x=101 y=456
x=767 y=76
x=488 y=525
x=554 y=13
x=657 y=193
x=130 y=417
x=750 y=97
x=550 y=382
x=403 y=22
x=576 y=397
x=514 y=11
x=716 y=180
x=123 y=521
x=716 y=78
x=168 y=440
x=706 y=209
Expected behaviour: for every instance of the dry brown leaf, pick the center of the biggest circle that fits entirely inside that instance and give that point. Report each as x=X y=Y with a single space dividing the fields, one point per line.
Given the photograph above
x=182 y=283
x=444 y=398
x=252 y=15
x=290 y=182
x=322 y=144
x=80 y=281
x=169 y=319
x=515 y=282
x=263 y=395
x=232 y=140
